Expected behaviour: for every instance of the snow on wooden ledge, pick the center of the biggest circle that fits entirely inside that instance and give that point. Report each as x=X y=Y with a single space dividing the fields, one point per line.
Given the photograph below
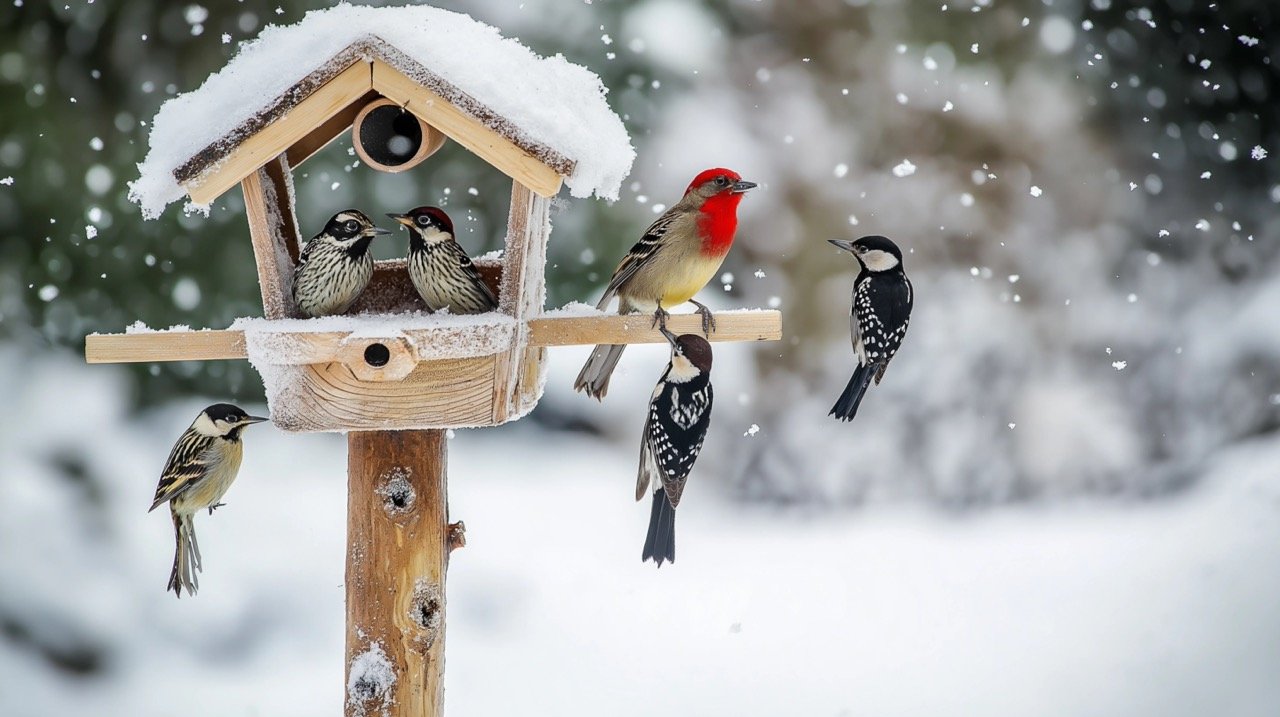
x=575 y=324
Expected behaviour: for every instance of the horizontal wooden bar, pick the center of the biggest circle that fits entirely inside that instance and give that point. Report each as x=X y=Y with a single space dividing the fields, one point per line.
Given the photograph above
x=321 y=346
x=164 y=346
x=639 y=329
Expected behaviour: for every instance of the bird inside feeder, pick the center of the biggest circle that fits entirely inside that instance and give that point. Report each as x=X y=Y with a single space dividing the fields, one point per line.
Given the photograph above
x=390 y=138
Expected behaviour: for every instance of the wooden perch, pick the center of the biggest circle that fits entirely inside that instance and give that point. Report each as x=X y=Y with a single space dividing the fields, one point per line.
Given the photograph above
x=543 y=331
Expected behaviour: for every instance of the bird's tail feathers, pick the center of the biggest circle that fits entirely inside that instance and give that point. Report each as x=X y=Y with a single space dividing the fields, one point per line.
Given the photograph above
x=595 y=374
x=847 y=405
x=186 y=558
x=660 y=543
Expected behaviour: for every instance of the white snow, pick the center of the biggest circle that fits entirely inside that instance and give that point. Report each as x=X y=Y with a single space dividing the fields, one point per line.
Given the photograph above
x=435 y=336
x=1258 y=152
x=1013 y=611
x=370 y=679
x=904 y=169
x=551 y=100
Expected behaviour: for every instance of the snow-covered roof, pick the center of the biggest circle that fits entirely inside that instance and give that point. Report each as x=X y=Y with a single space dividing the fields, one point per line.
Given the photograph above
x=549 y=107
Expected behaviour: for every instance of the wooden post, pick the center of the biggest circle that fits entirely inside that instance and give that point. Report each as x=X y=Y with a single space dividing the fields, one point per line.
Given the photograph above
x=398 y=541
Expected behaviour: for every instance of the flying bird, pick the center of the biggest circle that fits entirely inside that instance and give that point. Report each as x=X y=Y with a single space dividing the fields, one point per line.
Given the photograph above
x=200 y=469
x=678 y=254
x=679 y=415
x=882 y=297
x=440 y=268
x=335 y=266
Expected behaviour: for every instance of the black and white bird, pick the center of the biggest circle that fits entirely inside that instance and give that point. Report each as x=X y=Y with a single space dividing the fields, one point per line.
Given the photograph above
x=679 y=415
x=440 y=268
x=335 y=266
x=200 y=469
x=882 y=299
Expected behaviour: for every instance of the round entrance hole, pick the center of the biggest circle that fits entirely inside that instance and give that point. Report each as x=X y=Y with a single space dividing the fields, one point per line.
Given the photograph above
x=390 y=135
x=377 y=355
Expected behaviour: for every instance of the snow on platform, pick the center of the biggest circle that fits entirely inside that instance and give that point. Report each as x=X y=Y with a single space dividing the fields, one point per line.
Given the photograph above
x=548 y=101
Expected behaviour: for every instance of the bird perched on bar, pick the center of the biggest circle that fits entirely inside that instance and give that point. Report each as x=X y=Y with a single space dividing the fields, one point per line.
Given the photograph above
x=679 y=415
x=882 y=298
x=335 y=266
x=440 y=268
x=200 y=469
x=678 y=254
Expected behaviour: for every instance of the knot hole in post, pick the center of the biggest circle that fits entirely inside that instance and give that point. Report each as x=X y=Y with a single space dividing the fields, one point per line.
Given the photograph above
x=397 y=493
x=427 y=610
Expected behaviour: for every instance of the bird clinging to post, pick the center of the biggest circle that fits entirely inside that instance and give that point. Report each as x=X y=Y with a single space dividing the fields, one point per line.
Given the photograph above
x=678 y=254
x=440 y=268
x=200 y=469
x=335 y=265
x=882 y=298
x=679 y=415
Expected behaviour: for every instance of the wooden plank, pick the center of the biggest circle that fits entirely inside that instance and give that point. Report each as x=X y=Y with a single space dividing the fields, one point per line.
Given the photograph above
x=320 y=137
x=280 y=174
x=442 y=393
x=523 y=295
x=275 y=271
x=167 y=346
x=635 y=328
x=397 y=555
x=490 y=146
x=274 y=139
x=543 y=331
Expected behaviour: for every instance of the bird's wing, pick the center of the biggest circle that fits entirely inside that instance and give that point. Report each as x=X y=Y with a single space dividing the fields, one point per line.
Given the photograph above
x=648 y=470
x=473 y=274
x=680 y=420
x=188 y=462
x=639 y=255
x=892 y=301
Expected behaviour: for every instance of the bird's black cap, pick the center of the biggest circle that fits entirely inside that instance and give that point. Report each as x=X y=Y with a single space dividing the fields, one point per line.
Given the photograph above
x=230 y=413
x=696 y=349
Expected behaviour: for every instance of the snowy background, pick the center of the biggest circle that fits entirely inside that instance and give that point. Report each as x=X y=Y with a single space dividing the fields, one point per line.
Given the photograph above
x=1063 y=500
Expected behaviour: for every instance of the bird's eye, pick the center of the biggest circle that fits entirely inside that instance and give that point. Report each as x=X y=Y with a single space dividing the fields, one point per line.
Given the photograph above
x=351 y=225
x=721 y=180
x=423 y=220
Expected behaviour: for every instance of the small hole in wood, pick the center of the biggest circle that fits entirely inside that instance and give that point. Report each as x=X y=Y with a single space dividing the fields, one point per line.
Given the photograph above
x=397 y=493
x=427 y=610
x=377 y=355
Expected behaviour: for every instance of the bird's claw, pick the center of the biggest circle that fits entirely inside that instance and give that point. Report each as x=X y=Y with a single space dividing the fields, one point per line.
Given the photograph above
x=708 y=319
x=660 y=319
x=215 y=505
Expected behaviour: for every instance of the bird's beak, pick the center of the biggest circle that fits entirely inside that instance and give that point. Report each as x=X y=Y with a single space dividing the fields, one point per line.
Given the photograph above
x=671 y=338
x=376 y=231
x=255 y=419
x=404 y=219
x=741 y=186
x=843 y=244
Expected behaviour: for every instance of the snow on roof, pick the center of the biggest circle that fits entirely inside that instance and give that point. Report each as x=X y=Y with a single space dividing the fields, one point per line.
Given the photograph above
x=547 y=102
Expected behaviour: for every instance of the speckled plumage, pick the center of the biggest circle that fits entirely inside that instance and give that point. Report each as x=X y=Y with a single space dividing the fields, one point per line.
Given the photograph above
x=446 y=279
x=439 y=267
x=335 y=266
x=674 y=431
x=882 y=301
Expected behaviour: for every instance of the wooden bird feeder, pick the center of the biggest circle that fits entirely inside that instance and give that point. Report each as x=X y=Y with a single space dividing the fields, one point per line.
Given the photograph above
x=389 y=376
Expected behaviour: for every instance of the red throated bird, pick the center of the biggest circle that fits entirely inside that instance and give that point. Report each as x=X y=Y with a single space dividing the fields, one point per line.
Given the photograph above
x=676 y=257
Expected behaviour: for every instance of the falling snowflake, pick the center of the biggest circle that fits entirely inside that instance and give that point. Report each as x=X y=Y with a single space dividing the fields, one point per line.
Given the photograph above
x=7 y=181
x=1036 y=191
x=1247 y=41
x=90 y=231
x=752 y=431
x=1119 y=365
x=1258 y=152
x=906 y=169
